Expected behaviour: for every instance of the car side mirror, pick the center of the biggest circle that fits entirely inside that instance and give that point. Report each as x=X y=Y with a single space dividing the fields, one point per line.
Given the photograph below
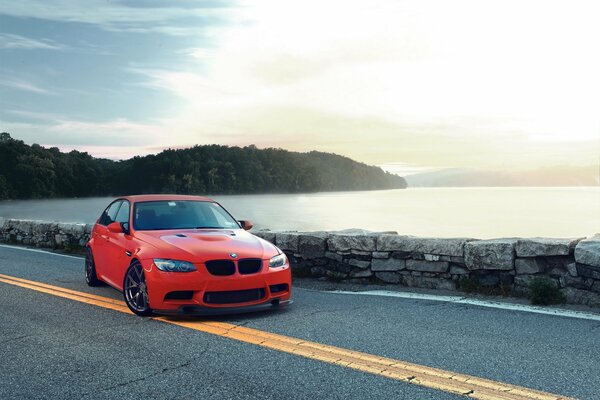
x=125 y=227
x=115 y=227
x=246 y=224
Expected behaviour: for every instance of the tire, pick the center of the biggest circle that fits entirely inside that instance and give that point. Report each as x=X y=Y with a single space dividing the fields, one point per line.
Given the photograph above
x=90 y=269
x=135 y=291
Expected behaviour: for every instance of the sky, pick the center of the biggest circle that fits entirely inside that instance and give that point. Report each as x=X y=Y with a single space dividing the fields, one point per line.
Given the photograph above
x=411 y=84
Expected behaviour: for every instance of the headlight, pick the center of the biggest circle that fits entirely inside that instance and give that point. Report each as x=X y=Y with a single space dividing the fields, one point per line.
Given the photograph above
x=278 y=261
x=173 y=265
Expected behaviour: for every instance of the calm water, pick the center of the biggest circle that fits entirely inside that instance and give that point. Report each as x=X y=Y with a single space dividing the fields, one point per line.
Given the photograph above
x=449 y=212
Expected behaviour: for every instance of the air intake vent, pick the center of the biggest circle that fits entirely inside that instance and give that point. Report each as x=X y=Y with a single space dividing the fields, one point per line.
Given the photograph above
x=249 y=266
x=220 y=267
x=231 y=297
x=180 y=295
x=282 y=287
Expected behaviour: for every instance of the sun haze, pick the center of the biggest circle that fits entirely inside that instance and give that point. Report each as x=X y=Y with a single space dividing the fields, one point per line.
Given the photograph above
x=422 y=84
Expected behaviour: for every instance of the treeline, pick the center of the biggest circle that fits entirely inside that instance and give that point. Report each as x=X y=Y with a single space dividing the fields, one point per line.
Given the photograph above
x=38 y=172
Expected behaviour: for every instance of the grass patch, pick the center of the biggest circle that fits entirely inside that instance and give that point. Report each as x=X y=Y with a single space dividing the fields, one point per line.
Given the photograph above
x=332 y=276
x=467 y=285
x=543 y=291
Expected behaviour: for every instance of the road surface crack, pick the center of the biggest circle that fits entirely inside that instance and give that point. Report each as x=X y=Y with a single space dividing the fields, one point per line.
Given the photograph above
x=14 y=339
x=310 y=314
x=152 y=375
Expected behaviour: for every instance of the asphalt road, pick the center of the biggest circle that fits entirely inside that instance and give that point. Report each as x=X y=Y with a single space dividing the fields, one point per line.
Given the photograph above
x=51 y=347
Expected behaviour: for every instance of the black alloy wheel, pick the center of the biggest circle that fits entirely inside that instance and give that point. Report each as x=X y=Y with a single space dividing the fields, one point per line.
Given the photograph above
x=90 y=269
x=135 y=290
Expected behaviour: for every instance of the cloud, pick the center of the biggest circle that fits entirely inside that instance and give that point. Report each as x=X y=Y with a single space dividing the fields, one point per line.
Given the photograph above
x=199 y=53
x=23 y=85
x=400 y=81
x=12 y=41
x=174 y=19
x=72 y=132
x=419 y=82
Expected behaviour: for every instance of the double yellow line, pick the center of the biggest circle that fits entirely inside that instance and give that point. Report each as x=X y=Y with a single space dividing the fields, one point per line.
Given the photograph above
x=433 y=378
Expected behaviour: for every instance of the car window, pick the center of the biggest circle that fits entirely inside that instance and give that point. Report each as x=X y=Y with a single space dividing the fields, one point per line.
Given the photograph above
x=181 y=214
x=223 y=219
x=123 y=214
x=110 y=213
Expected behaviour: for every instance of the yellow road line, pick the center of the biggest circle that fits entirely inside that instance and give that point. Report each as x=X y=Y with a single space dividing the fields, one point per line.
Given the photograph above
x=433 y=378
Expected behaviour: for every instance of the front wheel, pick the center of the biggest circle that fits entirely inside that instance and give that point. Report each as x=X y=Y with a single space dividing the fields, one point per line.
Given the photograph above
x=135 y=290
x=90 y=269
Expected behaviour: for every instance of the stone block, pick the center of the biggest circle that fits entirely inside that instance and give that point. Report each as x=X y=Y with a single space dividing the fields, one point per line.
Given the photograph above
x=287 y=241
x=534 y=247
x=380 y=254
x=588 y=251
x=576 y=282
x=412 y=244
x=529 y=265
x=588 y=271
x=387 y=264
x=334 y=256
x=388 y=277
x=72 y=229
x=427 y=266
x=360 y=252
x=458 y=270
x=23 y=226
x=490 y=254
x=312 y=245
x=352 y=241
x=358 y=263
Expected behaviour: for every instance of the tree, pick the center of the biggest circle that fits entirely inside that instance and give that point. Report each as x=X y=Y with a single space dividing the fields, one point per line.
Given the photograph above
x=34 y=172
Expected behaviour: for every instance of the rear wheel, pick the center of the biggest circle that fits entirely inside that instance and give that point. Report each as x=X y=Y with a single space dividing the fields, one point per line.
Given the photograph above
x=135 y=290
x=90 y=269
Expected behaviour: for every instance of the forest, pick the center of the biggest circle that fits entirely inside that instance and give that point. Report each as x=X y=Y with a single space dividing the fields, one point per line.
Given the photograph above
x=34 y=171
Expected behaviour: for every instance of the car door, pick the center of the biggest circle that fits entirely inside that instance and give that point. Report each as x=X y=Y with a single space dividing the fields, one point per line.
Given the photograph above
x=101 y=237
x=119 y=248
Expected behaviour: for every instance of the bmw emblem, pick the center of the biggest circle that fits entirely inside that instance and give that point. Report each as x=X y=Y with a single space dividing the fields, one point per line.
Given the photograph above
x=233 y=255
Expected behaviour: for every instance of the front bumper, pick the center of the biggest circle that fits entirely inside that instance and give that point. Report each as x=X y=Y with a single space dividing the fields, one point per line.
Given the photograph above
x=208 y=311
x=200 y=282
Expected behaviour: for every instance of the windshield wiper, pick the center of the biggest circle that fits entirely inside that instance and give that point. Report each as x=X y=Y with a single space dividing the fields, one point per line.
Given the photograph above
x=209 y=227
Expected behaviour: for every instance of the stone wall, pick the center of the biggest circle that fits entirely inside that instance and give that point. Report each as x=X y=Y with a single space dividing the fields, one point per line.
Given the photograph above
x=52 y=235
x=359 y=256
x=572 y=265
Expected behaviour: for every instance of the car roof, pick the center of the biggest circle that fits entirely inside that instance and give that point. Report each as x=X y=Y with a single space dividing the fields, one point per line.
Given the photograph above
x=163 y=197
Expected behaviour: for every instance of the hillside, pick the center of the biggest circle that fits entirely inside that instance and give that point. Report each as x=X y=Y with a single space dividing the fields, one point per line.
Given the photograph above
x=38 y=172
x=550 y=176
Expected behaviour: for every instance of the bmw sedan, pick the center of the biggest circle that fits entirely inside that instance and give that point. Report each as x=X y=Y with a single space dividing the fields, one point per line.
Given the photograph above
x=173 y=254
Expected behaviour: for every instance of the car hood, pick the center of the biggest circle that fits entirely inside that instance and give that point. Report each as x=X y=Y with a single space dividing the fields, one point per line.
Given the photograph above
x=206 y=244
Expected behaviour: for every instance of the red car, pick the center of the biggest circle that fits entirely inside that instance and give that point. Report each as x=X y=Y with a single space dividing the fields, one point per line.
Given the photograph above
x=172 y=254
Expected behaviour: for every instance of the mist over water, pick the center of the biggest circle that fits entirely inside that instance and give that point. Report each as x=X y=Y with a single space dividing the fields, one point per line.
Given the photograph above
x=448 y=212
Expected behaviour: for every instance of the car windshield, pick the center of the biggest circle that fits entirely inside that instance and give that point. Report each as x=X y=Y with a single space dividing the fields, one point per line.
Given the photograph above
x=181 y=214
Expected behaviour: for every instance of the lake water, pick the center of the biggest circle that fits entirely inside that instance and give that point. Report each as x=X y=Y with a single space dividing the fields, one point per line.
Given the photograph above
x=448 y=212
